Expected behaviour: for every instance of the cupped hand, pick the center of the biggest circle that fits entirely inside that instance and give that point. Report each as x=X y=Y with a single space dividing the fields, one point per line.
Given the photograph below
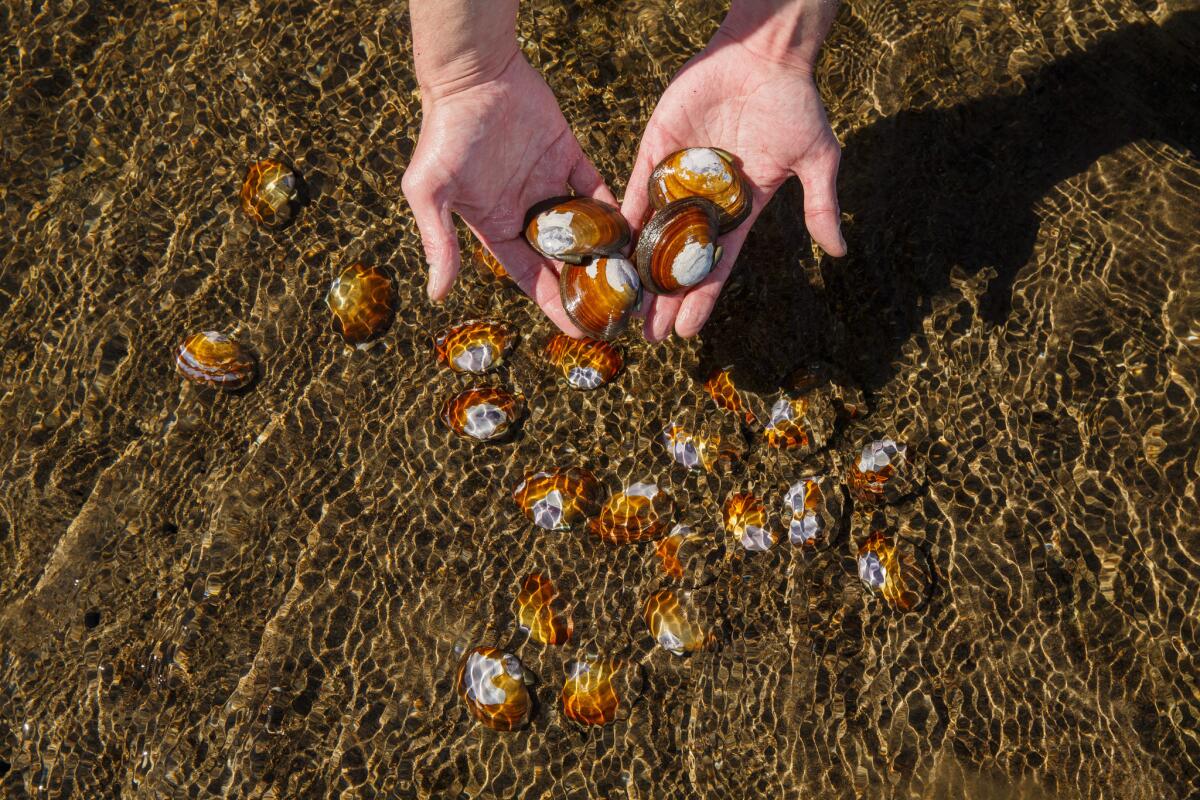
x=767 y=114
x=488 y=151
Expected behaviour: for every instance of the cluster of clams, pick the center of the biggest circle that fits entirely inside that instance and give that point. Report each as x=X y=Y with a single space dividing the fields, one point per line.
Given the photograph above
x=698 y=194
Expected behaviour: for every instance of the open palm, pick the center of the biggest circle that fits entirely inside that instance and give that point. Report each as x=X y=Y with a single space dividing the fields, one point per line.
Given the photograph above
x=768 y=115
x=489 y=152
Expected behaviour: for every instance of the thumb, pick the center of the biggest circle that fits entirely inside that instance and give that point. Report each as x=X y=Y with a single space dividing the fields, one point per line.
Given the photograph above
x=822 y=214
x=438 y=234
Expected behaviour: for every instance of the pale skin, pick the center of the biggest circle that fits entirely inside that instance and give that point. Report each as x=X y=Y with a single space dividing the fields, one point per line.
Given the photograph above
x=494 y=142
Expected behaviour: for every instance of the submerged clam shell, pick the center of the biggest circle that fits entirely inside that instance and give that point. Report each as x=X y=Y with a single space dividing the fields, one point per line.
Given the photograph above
x=215 y=359
x=483 y=412
x=559 y=499
x=600 y=296
x=813 y=505
x=720 y=388
x=542 y=612
x=882 y=568
x=687 y=557
x=492 y=684
x=678 y=247
x=745 y=520
x=585 y=363
x=362 y=300
x=488 y=265
x=675 y=626
x=642 y=511
x=706 y=172
x=475 y=346
x=598 y=691
x=883 y=473
x=571 y=229
x=270 y=193
x=708 y=446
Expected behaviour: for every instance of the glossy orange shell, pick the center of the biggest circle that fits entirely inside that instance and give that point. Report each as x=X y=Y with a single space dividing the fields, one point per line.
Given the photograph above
x=483 y=412
x=745 y=519
x=678 y=247
x=671 y=628
x=706 y=172
x=577 y=498
x=599 y=690
x=875 y=486
x=542 y=611
x=877 y=553
x=213 y=359
x=492 y=685
x=270 y=193
x=569 y=229
x=790 y=433
x=634 y=516
x=489 y=265
x=599 y=297
x=585 y=363
x=475 y=346
x=363 y=302
x=720 y=388
x=696 y=450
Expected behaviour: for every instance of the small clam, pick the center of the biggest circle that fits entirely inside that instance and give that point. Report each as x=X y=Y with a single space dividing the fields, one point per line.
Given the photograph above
x=475 y=346
x=882 y=568
x=559 y=499
x=707 y=447
x=600 y=690
x=639 y=513
x=488 y=265
x=585 y=363
x=600 y=296
x=678 y=247
x=803 y=423
x=745 y=520
x=690 y=558
x=214 y=359
x=572 y=229
x=703 y=172
x=483 y=412
x=814 y=505
x=362 y=300
x=675 y=627
x=883 y=473
x=492 y=684
x=270 y=193
x=542 y=612
x=720 y=388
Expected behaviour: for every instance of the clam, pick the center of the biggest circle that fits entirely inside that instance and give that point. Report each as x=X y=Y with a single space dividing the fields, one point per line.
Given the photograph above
x=638 y=513
x=814 y=505
x=803 y=423
x=688 y=557
x=585 y=363
x=675 y=626
x=745 y=520
x=215 y=359
x=559 y=499
x=270 y=193
x=600 y=690
x=488 y=265
x=542 y=612
x=706 y=447
x=720 y=388
x=882 y=473
x=882 y=569
x=703 y=172
x=573 y=229
x=492 y=684
x=483 y=412
x=475 y=346
x=678 y=247
x=362 y=300
x=600 y=296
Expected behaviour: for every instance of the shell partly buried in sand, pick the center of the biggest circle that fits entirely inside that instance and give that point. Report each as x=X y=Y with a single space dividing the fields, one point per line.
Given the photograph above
x=586 y=363
x=598 y=690
x=542 y=612
x=492 y=684
x=483 y=412
x=675 y=623
x=745 y=520
x=639 y=513
x=270 y=193
x=211 y=358
x=362 y=301
x=559 y=499
x=475 y=346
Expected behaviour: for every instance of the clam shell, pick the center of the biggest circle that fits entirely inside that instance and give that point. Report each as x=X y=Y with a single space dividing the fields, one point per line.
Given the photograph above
x=709 y=445
x=572 y=229
x=813 y=506
x=270 y=193
x=362 y=300
x=676 y=627
x=600 y=296
x=483 y=412
x=598 y=690
x=882 y=568
x=678 y=247
x=475 y=346
x=705 y=172
x=883 y=473
x=720 y=388
x=641 y=512
x=214 y=359
x=559 y=499
x=489 y=266
x=585 y=363
x=687 y=557
x=542 y=612
x=492 y=684
x=745 y=520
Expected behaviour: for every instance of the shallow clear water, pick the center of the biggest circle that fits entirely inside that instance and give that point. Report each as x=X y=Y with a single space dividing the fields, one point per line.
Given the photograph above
x=267 y=594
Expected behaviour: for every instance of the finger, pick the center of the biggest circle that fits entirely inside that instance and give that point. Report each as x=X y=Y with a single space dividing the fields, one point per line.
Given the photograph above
x=822 y=214
x=537 y=279
x=586 y=180
x=660 y=317
x=697 y=304
x=438 y=236
x=636 y=204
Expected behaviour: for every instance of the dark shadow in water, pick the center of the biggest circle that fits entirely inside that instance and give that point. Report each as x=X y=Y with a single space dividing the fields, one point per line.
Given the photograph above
x=937 y=189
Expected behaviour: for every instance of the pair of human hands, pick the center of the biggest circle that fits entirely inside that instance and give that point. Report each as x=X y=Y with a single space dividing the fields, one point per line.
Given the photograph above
x=490 y=150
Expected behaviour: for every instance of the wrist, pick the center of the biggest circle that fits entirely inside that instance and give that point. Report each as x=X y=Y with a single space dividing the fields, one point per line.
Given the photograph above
x=439 y=78
x=458 y=44
x=784 y=32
